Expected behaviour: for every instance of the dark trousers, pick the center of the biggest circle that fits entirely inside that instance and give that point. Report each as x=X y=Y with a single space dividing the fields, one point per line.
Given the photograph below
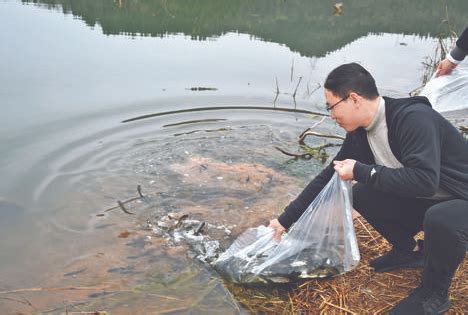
x=399 y=219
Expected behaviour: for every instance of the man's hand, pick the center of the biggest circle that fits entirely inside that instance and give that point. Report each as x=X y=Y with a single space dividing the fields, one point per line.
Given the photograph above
x=445 y=67
x=279 y=229
x=345 y=168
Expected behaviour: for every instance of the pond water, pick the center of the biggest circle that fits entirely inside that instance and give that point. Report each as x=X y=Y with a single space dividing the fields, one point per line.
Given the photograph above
x=73 y=71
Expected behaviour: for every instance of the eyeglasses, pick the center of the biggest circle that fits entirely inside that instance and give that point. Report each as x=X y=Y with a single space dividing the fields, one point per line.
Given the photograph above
x=329 y=108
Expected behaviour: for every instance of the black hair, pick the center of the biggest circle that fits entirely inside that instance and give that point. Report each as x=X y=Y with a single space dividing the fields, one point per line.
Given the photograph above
x=351 y=77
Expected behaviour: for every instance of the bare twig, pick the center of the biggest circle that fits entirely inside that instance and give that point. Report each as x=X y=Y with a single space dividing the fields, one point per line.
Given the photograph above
x=314 y=90
x=306 y=156
x=297 y=86
x=292 y=69
x=277 y=93
x=24 y=301
x=302 y=136
x=323 y=146
x=318 y=134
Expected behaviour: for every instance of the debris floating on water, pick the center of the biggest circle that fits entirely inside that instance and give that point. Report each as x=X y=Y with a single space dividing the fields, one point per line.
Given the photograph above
x=201 y=88
x=338 y=8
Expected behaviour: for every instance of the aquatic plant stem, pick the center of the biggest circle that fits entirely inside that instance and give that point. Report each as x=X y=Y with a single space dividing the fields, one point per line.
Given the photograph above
x=53 y=289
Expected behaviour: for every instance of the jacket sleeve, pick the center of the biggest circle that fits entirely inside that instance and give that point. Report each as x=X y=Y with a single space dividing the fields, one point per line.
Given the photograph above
x=460 y=50
x=419 y=139
x=462 y=41
x=297 y=207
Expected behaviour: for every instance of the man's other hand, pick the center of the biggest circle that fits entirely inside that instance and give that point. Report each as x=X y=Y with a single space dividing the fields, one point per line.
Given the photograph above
x=279 y=229
x=445 y=67
x=345 y=168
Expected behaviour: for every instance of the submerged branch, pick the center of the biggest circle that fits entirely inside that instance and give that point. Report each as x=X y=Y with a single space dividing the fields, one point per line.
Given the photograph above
x=53 y=289
x=200 y=109
x=25 y=301
x=317 y=151
x=318 y=134
x=306 y=156
x=302 y=135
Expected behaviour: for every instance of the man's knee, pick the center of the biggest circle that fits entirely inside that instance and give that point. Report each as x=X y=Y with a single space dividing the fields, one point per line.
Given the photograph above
x=446 y=220
x=434 y=219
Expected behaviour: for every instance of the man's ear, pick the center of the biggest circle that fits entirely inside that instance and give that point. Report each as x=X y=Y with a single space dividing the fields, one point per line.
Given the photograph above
x=355 y=98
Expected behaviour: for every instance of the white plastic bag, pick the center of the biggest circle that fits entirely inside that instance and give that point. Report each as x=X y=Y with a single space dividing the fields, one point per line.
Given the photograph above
x=321 y=243
x=449 y=92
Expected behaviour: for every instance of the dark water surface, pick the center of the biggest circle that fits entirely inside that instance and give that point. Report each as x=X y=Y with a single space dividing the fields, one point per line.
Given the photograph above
x=72 y=71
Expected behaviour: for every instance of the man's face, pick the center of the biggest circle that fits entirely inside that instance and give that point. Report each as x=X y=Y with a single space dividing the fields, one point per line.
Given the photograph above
x=343 y=110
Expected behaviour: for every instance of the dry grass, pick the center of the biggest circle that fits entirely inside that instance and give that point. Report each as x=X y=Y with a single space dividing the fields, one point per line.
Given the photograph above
x=361 y=291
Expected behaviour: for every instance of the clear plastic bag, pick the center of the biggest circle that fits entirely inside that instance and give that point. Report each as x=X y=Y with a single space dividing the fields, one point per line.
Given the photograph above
x=321 y=243
x=449 y=92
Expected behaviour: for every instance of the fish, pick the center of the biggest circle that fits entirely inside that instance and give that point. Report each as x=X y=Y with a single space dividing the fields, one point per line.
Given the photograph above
x=74 y=273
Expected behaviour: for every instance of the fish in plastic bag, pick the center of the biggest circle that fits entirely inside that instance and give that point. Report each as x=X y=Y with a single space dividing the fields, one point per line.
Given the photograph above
x=322 y=243
x=448 y=92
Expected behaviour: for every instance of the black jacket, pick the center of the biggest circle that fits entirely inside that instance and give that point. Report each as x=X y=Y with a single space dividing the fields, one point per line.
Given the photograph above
x=433 y=152
x=462 y=41
x=460 y=50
